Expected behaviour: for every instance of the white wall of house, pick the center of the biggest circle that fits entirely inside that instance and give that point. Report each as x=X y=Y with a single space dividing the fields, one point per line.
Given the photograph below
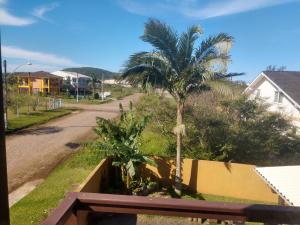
x=83 y=80
x=266 y=91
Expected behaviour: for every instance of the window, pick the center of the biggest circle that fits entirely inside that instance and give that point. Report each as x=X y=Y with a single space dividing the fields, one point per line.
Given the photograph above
x=278 y=97
x=257 y=93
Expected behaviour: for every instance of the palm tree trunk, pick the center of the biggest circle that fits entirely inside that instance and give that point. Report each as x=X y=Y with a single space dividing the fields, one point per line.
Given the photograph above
x=179 y=130
x=128 y=182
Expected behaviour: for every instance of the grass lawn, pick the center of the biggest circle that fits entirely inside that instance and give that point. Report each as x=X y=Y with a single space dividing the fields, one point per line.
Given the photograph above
x=34 y=208
x=119 y=92
x=217 y=198
x=86 y=101
x=33 y=118
x=153 y=143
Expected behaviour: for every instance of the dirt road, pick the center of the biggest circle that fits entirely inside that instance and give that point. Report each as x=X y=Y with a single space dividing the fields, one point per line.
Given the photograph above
x=34 y=152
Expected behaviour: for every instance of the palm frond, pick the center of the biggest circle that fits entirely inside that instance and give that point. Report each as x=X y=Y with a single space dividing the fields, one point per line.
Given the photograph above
x=186 y=45
x=162 y=37
x=143 y=74
x=210 y=45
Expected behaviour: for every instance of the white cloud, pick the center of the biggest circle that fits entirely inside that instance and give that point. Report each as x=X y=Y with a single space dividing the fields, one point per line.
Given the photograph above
x=197 y=8
x=8 y=19
x=40 y=57
x=43 y=9
x=32 y=68
x=223 y=8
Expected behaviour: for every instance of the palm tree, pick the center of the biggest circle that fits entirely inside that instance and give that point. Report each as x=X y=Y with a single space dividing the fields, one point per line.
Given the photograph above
x=176 y=66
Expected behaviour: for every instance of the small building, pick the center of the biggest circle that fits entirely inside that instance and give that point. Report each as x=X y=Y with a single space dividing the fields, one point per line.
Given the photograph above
x=39 y=82
x=280 y=90
x=73 y=79
x=122 y=83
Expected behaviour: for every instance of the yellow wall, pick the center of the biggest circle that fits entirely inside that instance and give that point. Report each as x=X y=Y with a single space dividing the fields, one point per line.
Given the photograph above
x=97 y=179
x=217 y=178
x=207 y=177
x=52 y=86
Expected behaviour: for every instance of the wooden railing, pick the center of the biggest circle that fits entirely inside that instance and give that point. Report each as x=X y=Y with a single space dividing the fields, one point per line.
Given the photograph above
x=76 y=203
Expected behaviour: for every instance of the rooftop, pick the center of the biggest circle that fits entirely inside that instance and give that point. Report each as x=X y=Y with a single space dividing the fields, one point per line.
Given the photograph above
x=38 y=74
x=288 y=81
x=285 y=180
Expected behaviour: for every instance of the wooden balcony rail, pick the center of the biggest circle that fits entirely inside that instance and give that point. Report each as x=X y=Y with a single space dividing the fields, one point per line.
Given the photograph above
x=106 y=203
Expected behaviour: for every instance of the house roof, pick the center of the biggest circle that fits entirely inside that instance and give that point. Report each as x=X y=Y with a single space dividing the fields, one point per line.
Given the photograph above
x=66 y=74
x=285 y=180
x=288 y=81
x=38 y=74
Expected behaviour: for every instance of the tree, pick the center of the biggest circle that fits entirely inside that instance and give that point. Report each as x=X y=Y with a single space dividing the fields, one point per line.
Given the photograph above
x=121 y=141
x=176 y=66
x=275 y=68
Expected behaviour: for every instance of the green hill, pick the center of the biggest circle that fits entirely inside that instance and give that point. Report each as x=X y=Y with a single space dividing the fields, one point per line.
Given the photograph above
x=94 y=72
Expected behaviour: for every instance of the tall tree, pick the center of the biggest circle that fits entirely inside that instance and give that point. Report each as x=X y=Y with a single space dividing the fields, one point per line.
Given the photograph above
x=180 y=68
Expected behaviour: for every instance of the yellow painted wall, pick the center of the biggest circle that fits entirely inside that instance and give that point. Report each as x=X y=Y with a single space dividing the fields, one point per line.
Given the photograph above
x=97 y=178
x=207 y=177
x=217 y=178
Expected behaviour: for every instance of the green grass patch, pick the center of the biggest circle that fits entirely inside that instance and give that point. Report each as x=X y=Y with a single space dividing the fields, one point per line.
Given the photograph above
x=153 y=143
x=119 y=92
x=35 y=207
x=34 y=118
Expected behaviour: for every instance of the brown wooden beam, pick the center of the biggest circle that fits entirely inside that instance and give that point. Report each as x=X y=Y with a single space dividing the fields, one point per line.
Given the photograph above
x=65 y=211
x=102 y=203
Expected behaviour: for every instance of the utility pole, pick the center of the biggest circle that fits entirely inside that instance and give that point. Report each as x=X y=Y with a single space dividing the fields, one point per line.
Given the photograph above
x=77 y=88
x=102 y=88
x=4 y=207
x=6 y=93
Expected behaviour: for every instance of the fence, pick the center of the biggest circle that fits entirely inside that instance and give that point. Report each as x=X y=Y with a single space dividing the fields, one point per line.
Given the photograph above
x=54 y=103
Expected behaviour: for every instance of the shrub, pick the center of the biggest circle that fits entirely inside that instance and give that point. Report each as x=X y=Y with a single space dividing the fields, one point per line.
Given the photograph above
x=96 y=95
x=221 y=128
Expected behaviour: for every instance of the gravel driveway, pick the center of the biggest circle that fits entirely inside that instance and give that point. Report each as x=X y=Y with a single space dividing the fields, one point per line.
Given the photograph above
x=34 y=152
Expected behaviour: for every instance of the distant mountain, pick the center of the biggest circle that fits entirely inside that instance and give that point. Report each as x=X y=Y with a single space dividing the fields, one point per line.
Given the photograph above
x=94 y=72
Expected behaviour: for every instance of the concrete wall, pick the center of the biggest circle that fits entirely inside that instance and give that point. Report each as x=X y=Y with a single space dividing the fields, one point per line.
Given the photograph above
x=207 y=177
x=216 y=178
x=98 y=179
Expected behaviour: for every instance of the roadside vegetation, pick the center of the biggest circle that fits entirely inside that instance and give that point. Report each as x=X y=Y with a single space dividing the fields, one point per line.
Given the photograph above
x=35 y=207
x=118 y=92
x=25 y=120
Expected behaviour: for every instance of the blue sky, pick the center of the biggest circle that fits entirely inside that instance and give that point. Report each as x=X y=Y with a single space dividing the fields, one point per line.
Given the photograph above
x=103 y=33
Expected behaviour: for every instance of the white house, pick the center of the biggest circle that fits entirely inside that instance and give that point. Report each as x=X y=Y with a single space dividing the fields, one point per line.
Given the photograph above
x=280 y=90
x=83 y=80
x=117 y=82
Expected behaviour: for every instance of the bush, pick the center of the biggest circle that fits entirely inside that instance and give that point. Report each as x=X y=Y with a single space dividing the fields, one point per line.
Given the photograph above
x=96 y=95
x=226 y=128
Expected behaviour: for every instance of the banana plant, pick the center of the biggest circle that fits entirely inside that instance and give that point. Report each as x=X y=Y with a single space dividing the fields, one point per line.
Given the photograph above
x=121 y=140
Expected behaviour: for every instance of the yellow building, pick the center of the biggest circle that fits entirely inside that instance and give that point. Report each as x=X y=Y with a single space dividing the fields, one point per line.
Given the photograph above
x=39 y=82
